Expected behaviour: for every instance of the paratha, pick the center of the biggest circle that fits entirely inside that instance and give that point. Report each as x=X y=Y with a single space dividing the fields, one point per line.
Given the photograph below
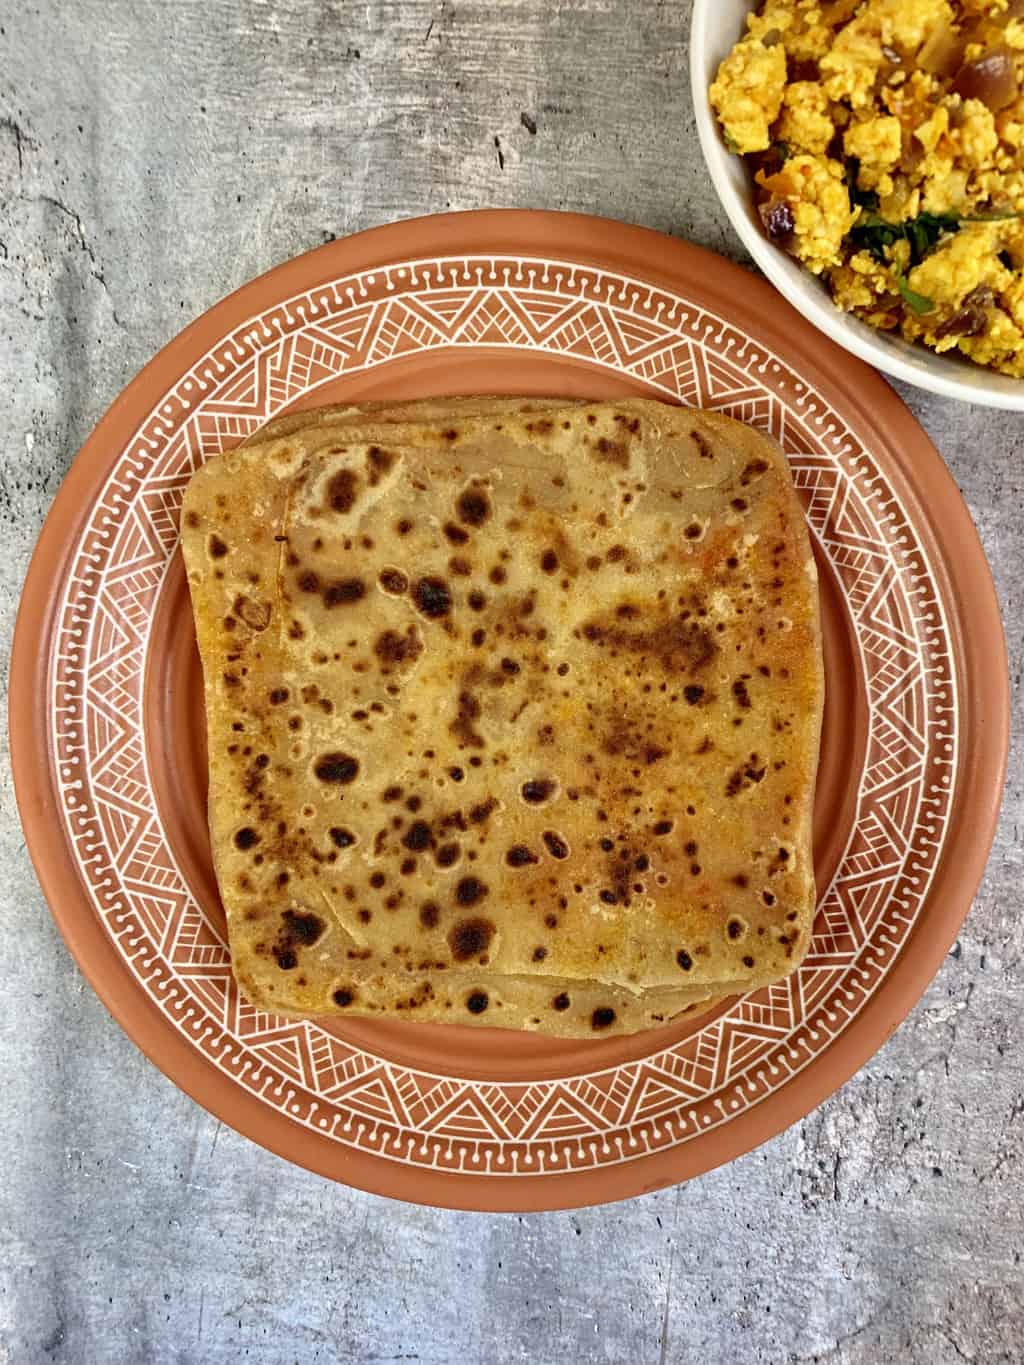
x=513 y=715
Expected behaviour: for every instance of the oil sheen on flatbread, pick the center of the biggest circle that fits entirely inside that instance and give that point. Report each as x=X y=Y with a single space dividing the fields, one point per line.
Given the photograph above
x=513 y=714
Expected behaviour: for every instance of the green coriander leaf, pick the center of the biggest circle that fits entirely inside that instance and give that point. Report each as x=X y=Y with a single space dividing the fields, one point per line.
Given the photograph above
x=917 y=303
x=924 y=231
x=874 y=234
x=865 y=199
x=991 y=217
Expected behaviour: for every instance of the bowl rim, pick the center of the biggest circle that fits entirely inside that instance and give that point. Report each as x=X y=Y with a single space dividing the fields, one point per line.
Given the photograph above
x=858 y=339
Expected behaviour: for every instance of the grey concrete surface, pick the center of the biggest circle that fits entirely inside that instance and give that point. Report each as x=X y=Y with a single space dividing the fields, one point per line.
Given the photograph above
x=154 y=156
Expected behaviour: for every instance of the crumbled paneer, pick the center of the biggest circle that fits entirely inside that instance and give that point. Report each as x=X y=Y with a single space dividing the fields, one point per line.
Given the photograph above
x=959 y=264
x=748 y=93
x=887 y=143
x=815 y=190
x=876 y=143
x=975 y=138
x=804 y=124
x=849 y=66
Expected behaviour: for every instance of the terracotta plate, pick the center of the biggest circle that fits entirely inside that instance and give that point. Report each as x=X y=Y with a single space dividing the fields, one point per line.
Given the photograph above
x=109 y=754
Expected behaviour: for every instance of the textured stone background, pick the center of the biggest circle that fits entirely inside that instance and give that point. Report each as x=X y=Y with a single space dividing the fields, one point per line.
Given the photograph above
x=154 y=156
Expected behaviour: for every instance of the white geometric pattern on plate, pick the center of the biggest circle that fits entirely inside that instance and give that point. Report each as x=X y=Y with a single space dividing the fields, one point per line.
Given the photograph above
x=597 y=1118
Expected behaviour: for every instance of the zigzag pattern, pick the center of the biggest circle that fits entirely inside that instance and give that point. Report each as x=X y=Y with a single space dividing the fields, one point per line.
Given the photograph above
x=601 y=1117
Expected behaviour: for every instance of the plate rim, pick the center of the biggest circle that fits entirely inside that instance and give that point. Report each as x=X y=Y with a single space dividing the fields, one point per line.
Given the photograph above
x=853 y=387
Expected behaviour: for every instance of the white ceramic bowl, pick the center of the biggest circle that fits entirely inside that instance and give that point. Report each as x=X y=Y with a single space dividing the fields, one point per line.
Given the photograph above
x=715 y=28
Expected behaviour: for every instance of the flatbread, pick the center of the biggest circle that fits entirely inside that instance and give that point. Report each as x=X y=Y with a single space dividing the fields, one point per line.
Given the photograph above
x=506 y=710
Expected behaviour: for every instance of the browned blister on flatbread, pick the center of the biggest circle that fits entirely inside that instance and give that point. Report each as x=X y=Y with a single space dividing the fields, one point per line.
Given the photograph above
x=513 y=716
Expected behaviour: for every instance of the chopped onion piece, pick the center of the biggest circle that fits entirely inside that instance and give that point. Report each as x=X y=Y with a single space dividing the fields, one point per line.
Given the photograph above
x=990 y=78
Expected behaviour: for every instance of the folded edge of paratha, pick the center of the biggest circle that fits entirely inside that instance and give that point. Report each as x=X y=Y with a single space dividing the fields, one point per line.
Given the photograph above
x=235 y=512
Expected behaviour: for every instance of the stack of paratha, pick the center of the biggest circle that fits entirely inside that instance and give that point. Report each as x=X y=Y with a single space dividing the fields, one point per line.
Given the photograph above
x=513 y=711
